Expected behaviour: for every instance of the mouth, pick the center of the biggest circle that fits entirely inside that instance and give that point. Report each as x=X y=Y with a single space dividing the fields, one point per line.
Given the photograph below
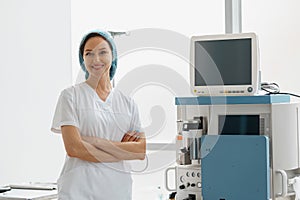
x=96 y=67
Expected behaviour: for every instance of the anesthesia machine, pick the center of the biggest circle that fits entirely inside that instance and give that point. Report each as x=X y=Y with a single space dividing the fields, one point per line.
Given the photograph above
x=232 y=142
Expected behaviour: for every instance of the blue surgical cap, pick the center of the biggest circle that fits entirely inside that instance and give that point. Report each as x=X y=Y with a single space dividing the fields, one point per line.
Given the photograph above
x=107 y=36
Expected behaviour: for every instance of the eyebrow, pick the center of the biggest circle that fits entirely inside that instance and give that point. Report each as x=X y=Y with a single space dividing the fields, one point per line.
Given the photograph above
x=92 y=49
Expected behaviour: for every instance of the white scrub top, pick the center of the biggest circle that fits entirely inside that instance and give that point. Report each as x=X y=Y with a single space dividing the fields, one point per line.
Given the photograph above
x=81 y=107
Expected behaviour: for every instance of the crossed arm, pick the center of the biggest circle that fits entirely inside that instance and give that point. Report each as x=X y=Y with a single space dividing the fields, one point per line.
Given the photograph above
x=95 y=149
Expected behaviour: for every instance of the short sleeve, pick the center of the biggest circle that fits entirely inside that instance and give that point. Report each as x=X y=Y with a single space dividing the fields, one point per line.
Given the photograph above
x=65 y=112
x=135 y=121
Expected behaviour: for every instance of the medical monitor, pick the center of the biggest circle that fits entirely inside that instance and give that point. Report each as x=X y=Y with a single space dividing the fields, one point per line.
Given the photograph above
x=224 y=65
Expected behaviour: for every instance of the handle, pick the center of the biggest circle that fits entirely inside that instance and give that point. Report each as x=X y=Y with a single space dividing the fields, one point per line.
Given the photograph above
x=167 y=180
x=284 y=183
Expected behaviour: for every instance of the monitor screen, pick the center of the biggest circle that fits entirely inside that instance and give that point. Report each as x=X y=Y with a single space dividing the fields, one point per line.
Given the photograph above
x=225 y=64
x=231 y=58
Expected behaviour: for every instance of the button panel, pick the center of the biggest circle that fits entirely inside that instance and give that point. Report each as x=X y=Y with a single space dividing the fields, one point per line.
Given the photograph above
x=188 y=178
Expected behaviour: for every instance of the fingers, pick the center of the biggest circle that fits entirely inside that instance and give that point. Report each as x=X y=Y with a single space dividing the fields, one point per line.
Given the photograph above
x=126 y=137
x=132 y=136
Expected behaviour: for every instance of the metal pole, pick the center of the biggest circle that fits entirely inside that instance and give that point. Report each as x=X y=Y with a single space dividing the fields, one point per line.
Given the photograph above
x=233 y=16
x=114 y=34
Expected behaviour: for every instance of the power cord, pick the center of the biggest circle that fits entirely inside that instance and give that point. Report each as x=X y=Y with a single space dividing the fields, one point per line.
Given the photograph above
x=142 y=170
x=273 y=88
x=270 y=87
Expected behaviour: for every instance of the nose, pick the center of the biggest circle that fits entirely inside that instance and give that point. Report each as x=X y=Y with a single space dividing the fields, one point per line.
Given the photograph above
x=97 y=58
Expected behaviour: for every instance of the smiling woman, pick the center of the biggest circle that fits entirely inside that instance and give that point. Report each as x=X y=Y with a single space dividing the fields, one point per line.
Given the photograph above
x=98 y=58
x=100 y=128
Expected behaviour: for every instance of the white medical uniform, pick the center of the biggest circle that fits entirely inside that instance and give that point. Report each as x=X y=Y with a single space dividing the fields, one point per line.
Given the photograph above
x=81 y=107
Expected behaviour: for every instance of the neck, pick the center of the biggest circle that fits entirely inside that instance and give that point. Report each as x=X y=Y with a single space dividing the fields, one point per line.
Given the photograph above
x=101 y=85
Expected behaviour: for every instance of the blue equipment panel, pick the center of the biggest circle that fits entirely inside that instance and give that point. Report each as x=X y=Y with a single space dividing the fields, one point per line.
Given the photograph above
x=235 y=167
x=222 y=100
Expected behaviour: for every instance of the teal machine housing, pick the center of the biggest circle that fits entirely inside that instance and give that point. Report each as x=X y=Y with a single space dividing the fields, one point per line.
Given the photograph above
x=261 y=165
x=235 y=167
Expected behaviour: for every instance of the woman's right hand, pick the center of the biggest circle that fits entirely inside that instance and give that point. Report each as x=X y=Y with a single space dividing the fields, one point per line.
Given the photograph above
x=131 y=136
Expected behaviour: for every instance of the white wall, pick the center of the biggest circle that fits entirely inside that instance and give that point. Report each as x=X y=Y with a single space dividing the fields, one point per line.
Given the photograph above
x=278 y=26
x=35 y=66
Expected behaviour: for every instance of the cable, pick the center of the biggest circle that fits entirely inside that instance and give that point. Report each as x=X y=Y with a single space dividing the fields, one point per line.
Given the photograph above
x=270 y=87
x=273 y=88
x=147 y=164
x=295 y=95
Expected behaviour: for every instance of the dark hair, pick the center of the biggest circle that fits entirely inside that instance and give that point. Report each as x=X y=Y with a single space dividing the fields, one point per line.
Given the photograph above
x=91 y=35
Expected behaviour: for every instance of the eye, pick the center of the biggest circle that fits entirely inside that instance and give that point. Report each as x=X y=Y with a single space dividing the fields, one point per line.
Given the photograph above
x=89 y=54
x=103 y=52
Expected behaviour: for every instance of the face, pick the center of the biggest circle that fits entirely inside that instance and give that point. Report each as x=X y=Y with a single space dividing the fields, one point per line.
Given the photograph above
x=97 y=57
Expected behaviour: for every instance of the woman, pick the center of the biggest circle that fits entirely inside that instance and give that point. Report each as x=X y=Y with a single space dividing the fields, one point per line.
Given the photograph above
x=100 y=128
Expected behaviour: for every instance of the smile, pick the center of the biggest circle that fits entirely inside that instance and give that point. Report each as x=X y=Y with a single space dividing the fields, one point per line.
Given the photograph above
x=98 y=67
